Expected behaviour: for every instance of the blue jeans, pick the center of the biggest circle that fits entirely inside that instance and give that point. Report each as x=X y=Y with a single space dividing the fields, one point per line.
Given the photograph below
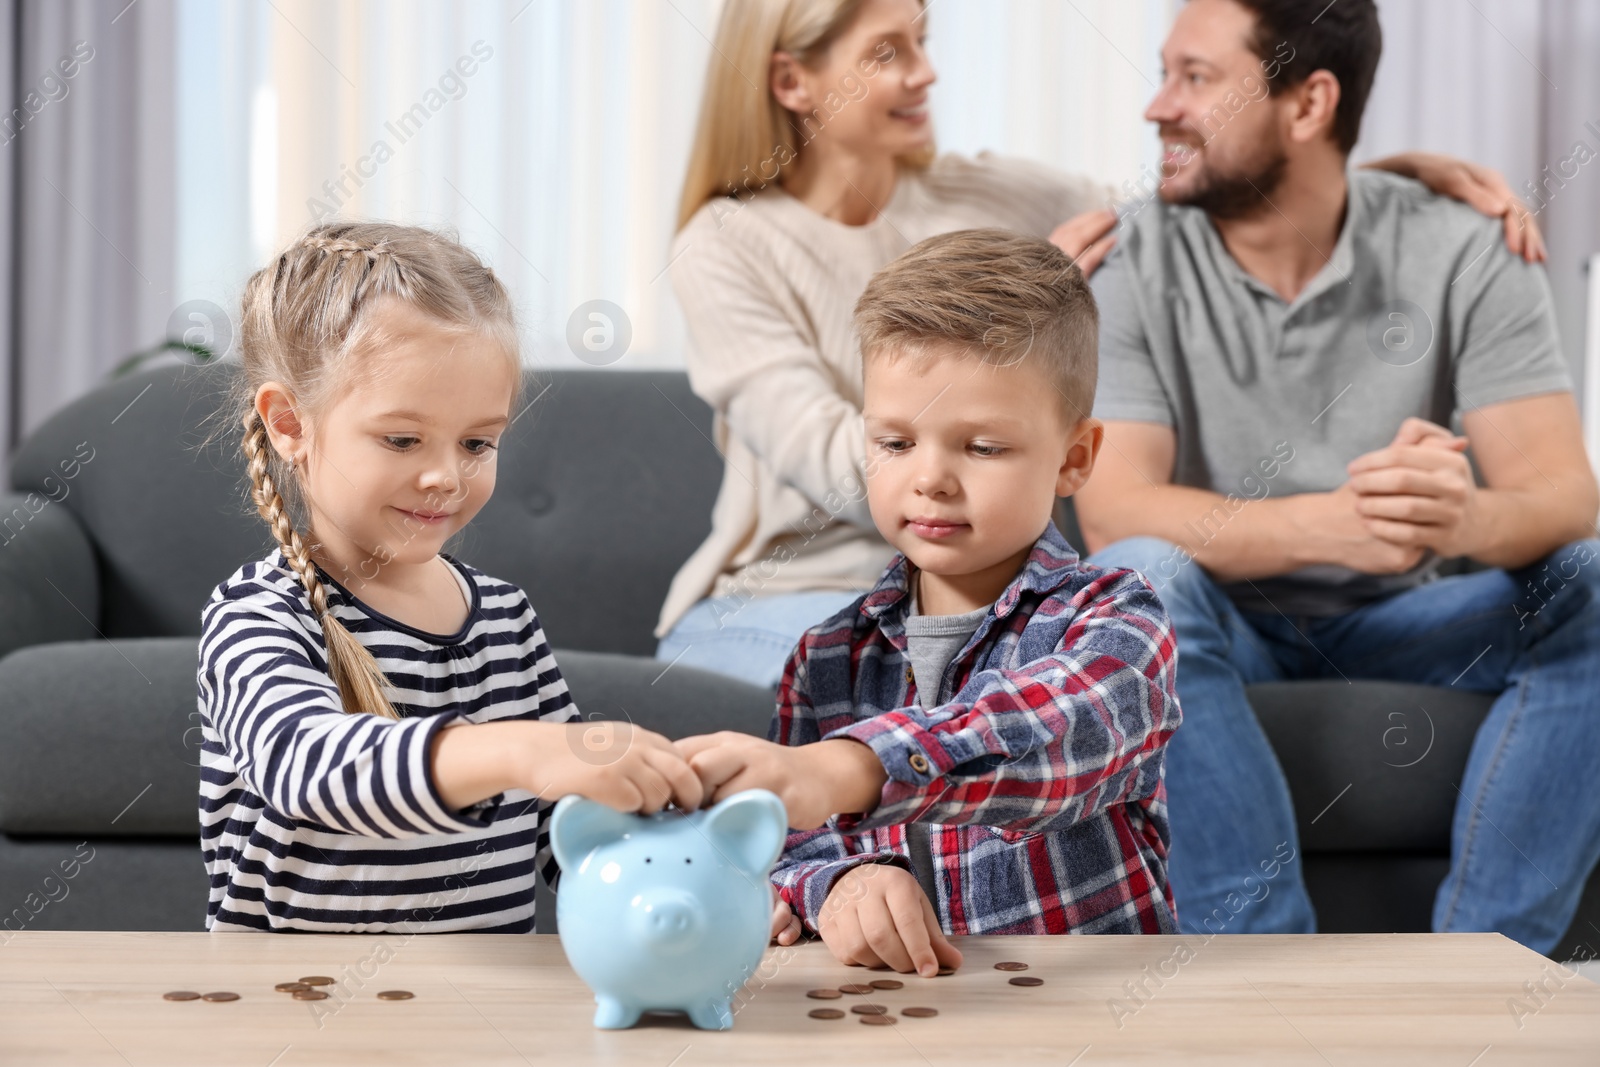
x=749 y=638
x=1526 y=830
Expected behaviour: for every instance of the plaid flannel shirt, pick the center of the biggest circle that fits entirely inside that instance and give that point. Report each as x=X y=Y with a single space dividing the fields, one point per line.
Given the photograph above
x=1043 y=777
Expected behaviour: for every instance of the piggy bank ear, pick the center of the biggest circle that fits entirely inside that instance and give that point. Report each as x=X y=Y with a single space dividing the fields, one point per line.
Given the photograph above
x=749 y=828
x=578 y=826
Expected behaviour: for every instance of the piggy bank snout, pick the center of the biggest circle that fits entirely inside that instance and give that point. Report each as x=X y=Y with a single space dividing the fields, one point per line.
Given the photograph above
x=668 y=917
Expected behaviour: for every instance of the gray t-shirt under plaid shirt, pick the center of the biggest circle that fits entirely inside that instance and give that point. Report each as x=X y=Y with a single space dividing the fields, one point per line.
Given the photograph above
x=1421 y=311
x=932 y=641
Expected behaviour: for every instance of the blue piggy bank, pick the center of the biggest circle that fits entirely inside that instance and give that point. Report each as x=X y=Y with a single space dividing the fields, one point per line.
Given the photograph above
x=670 y=911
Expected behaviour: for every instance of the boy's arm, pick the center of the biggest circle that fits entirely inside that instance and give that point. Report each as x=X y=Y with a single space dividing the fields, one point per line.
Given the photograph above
x=1048 y=744
x=812 y=860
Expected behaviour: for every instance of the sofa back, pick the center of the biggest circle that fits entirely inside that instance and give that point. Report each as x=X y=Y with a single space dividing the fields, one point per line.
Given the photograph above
x=605 y=487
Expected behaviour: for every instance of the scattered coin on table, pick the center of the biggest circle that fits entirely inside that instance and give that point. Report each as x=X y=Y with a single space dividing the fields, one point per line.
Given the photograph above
x=824 y=994
x=1027 y=981
x=310 y=994
x=317 y=979
x=180 y=994
x=395 y=994
x=879 y=1020
x=826 y=1013
x=870 y=1009
x=290 y=987
x=1010 y=965
x=886 y=983
x=219 y=996
x=856 y=988
x=919 y=1013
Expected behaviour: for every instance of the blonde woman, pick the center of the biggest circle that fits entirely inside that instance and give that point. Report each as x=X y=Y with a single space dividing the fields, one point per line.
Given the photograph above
x=813 y=166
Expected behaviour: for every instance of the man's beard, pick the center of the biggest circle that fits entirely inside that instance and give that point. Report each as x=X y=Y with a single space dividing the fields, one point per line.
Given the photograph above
x=1241 y=193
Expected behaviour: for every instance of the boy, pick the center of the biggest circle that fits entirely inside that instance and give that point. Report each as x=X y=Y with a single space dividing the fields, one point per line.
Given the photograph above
x=992 y=716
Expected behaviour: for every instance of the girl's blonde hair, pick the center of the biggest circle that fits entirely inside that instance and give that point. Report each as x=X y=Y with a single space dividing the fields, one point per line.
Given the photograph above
x=745 y=138
x=307 y=322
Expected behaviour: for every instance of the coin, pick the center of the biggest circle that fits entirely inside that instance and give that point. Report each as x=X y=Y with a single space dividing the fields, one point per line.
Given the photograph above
x=826 y=1013
x=919 y=1013
x=310 y=994
x=879 y=1020
x=219 y=997
x=1027 y=981
x=857 y=988
x=317 y=979
x=290 y=987
x=886 y=983
x=945 y=972
x=180 y=994
x=395 y=994
x=870 y=1009
x=824 y=994
x=1011 y=965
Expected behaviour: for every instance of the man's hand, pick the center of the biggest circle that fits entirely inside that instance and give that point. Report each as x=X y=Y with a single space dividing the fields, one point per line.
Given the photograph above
x=1418 y=492
x=813 y=781
x=1086 y=238
x=877 y=915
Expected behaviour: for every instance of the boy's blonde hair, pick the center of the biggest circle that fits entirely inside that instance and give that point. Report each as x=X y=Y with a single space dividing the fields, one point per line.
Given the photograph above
x=307 y=323
x=744 y=138
x=1001 y=296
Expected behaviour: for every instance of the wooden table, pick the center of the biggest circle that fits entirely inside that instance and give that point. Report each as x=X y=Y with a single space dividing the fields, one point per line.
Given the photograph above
x=95 y=998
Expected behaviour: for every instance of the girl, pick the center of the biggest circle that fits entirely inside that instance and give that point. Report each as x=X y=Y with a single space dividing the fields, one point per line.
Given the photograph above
x=384 y=726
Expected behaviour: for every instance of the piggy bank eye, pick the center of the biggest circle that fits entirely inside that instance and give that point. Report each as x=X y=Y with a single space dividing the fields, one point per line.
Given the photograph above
x=647 y=859
x=686 y=859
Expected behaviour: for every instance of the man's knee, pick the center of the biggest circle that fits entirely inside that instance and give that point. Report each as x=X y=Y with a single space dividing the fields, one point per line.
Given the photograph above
x=1168 y=567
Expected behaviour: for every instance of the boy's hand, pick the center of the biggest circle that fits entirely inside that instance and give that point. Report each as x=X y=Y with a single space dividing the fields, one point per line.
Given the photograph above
x=785 y=924
x=813 y=781
x=877 y=915
x=613 y=763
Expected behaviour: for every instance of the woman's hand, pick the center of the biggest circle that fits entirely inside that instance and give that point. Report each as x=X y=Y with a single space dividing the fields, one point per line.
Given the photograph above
x=1086 y=238
x=1482 y=188
x=613 y=763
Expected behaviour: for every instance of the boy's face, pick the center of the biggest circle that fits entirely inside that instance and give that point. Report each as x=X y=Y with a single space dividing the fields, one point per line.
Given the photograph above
x=965 y=459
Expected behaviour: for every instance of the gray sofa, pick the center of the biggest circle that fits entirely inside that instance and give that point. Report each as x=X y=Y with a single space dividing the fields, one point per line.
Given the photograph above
x=118 y=525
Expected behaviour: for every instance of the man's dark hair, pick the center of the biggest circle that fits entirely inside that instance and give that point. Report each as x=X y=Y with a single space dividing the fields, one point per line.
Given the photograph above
x=1342 y=38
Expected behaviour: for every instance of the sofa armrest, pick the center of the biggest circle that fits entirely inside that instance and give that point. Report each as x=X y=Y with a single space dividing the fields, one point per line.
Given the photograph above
x=49 y=580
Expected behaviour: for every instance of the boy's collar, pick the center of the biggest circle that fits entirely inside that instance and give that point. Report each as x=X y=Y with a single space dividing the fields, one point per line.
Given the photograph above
x=1052 y=557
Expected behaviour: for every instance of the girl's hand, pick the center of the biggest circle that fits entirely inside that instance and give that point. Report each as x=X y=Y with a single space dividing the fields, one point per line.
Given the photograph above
x=1482 y=188
x=877 y=915
x=613 y=763
x=1086 y=238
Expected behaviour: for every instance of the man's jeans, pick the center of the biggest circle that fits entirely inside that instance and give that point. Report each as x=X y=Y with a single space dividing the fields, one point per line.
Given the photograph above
x=1526 y=832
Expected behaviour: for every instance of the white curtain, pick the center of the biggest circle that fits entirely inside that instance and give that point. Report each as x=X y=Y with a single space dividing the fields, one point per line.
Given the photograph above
x=87 y=157
x=204 y=133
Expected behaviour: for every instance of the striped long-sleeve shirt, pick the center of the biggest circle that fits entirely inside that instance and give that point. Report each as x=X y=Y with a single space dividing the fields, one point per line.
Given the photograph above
x=316 y=820
x=1042 y=778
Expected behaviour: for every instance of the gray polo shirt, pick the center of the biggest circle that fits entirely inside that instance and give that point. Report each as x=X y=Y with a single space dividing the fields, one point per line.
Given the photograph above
x=1420 y=311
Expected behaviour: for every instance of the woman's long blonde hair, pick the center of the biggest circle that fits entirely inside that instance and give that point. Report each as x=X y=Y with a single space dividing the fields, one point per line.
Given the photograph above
x=306 y=323
x=745 y=138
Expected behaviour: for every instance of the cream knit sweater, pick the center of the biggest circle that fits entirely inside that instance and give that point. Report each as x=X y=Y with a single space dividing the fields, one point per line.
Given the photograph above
x=767 y=287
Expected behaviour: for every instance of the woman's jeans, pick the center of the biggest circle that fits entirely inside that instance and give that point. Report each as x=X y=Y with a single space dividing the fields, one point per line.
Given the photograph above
x=1526 y=832
x=749 y=638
